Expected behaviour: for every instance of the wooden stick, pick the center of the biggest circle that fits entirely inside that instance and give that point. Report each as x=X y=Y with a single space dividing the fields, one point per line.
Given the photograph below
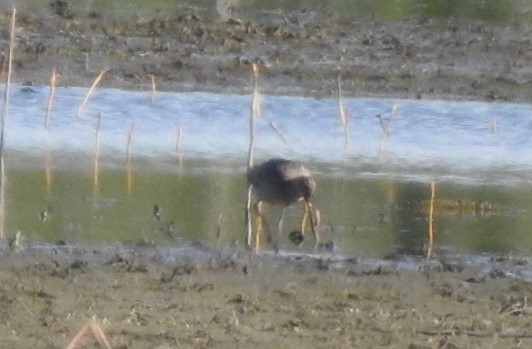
x=89 y=93
x=50 y=99
x=3 y=123
x=431 y=219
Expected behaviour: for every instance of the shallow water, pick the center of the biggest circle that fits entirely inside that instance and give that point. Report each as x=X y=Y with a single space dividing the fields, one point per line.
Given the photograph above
x=372 y=195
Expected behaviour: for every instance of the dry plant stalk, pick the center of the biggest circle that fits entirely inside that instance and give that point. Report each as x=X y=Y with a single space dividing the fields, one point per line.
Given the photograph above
x=431 y=218
x=3 y=123
x=385 y=125
x=89 y=93
x=97 y=154
x=253 y=117
x=48 y=170
x=48 y=155
x=494 y=126
x=218 y=231
x=2 y=65
x=344 y=114
x=96 y=331
x=277 y=131
x=129 y=172
x=50 y=99
x=129 y=141
x=153 y=90
x=178 y=147
x=255 y=103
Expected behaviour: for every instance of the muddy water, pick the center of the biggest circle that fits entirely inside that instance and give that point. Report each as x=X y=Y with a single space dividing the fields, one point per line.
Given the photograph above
x=373 y=194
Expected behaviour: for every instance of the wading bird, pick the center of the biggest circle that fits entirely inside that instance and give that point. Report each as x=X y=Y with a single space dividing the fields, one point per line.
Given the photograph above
x=282 y=182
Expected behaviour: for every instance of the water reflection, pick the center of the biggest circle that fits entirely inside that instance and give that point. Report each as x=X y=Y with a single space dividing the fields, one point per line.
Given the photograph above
x=361 y=216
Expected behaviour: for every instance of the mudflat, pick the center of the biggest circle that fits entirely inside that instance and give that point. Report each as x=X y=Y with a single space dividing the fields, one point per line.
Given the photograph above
x=155 y=297
x=300 y=53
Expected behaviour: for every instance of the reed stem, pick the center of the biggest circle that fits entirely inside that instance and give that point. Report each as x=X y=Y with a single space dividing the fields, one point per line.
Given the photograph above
x=178 y=147
x=129 y=172
x=431 y=218
x=344 y=114
x=277 y=131
x=3 y=120
x=50 y=99
x=89 y=93
x=153 y=89
x=254 y=115
x=97 y=155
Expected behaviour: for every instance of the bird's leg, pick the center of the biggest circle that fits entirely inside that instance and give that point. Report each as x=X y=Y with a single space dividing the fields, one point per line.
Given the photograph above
x=279 y=230
x=261 y=224
x=304 y=219
x=258 y=223
x=313 y=223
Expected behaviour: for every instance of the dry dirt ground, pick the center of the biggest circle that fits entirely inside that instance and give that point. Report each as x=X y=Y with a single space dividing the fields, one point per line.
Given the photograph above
x=144 y=297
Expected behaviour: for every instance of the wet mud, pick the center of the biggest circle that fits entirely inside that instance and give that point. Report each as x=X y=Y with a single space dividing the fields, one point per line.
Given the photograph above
x=300 y=53
x=194 y=297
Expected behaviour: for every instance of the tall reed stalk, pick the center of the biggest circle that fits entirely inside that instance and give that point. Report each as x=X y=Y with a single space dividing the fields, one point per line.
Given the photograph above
x=178 y=146
x=3 y=120
x=431 y=218
x=89 y=93
x=48 y=176
x=253 y=117
x=153 y=89
x=344 y=114
x=385 y=126
x=49 y=103
x=129 y=172
x=494 y=126
x=96 y=175
x=48 y=155
x=277 y=131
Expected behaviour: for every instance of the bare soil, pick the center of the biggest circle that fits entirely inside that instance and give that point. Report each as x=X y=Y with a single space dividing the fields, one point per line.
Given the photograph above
x=144 y=297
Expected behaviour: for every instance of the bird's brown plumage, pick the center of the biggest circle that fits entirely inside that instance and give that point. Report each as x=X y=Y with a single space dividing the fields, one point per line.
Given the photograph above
x=282 y=182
